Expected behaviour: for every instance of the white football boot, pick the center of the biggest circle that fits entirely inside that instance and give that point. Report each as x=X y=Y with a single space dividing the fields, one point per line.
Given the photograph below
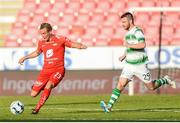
x=170 y=82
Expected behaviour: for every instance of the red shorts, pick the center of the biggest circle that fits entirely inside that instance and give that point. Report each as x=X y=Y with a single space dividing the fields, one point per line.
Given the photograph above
x=53 y=75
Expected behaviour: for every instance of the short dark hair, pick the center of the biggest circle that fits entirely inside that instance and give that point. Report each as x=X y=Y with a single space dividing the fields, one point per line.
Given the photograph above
x=47 y=26
x=128 y=15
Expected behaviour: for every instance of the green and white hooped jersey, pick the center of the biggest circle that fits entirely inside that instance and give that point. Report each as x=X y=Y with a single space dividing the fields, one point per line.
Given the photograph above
x=135 y=56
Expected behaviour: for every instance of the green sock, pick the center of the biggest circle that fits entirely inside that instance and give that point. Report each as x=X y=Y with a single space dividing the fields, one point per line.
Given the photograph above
x=161 y=81
x=115 y=95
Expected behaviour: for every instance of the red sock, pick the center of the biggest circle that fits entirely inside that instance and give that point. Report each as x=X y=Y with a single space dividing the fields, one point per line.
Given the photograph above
x=44 y=97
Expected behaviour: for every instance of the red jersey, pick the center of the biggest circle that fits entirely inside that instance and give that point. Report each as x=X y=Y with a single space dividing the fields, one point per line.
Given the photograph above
x=53 y=51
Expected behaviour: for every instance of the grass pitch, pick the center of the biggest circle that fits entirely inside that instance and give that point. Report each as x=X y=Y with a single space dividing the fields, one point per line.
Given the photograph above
x=87 y=108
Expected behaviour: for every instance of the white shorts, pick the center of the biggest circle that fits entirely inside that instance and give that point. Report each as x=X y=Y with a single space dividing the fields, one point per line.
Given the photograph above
x=141 y=71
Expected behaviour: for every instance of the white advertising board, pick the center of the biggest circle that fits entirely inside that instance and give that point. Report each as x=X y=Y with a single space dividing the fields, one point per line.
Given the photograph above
x=93 y=58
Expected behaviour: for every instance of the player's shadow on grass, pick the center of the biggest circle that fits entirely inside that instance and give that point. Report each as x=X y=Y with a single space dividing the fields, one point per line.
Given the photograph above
x=147 y=110
x=69 y=103
x=124 y=110
x=84 y=111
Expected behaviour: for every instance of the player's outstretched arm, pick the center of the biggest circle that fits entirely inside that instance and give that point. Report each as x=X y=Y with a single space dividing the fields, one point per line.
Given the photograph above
x=121 y=58
x=78 y=45
x=29 y=56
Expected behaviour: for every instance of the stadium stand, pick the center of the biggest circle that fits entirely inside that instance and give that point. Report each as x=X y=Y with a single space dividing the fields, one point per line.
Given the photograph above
x=8 y=8
x=94 y=22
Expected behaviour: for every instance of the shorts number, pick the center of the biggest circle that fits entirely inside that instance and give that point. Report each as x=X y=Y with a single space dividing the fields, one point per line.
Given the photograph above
x=57 y=75
x=147 y=76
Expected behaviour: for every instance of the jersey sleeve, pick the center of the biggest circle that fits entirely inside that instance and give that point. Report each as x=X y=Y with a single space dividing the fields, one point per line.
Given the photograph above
x=39 y=46
x=67 y=42
x=140 y=36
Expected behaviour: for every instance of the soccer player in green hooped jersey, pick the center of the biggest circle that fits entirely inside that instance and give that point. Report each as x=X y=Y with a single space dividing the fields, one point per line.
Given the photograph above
x=136 y=62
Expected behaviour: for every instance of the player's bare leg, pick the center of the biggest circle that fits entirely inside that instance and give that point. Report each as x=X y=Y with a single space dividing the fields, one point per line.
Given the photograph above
x=44 y=97
x=115 y=94
x=34 y=93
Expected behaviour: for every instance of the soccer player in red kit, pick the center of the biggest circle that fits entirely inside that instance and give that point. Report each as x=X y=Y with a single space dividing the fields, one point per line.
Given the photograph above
x=53 y=48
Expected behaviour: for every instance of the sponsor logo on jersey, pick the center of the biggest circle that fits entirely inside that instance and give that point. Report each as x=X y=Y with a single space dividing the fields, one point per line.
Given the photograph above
x=49 y=53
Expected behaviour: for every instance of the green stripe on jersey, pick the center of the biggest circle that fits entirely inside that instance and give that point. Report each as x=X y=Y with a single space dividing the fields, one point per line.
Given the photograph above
x=141 y=39
x=130 y=37
x=129 y=50
x=139 y=61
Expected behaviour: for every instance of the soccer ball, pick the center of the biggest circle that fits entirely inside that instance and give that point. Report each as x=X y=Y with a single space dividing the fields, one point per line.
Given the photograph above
x=17 y=107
